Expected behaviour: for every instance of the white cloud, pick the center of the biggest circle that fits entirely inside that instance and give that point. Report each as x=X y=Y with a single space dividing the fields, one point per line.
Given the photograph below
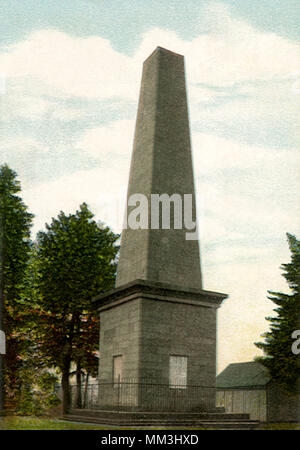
x=233 y=51
x=63 y=113
x=238 y=177
x=19 y=103
x=260 y=105
x=230 y=51
x=21 y=145
x=85 y=67
x=103 y=189
x=214 y=153
x=112 y=139
x=204 y=95
x=241 y=318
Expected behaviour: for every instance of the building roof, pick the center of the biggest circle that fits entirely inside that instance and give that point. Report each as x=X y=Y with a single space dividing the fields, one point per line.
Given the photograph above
x=245 y=374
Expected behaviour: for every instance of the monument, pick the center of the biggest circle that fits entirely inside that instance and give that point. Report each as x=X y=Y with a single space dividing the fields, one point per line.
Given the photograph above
x=158 y=326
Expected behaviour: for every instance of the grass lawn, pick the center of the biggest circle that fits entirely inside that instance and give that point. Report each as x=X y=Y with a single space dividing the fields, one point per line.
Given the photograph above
x=36 y=423
x=281 y=426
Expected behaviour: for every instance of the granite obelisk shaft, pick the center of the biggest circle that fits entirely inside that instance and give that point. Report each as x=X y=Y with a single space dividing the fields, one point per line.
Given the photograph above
x=161 y=164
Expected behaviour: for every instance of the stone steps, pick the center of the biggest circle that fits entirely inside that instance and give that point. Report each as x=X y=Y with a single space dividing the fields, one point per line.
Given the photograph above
x=159 y=414
x=128 y=419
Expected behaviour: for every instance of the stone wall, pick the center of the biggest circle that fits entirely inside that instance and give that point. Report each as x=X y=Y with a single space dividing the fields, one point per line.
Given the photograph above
x=120 y=335
x=183 y=330
x=178 y=329
x=147 y=332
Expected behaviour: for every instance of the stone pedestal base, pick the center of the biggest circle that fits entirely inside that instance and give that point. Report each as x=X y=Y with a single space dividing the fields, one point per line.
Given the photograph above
x=143 y=326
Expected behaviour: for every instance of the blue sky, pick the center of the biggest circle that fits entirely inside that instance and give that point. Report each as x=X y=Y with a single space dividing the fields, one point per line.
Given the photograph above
x=72 y=71
x=123 y=22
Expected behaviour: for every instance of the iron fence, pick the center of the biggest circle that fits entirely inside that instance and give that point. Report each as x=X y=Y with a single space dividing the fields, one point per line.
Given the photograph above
x=130 y=395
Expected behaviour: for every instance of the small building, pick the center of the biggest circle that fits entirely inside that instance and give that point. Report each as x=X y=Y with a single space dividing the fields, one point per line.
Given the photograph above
x=247 y=388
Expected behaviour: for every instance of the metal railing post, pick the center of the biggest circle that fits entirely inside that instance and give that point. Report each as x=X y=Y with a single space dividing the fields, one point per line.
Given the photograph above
x=119 y=387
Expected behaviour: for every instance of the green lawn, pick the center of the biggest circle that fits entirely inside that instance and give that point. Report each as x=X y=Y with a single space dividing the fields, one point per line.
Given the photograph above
x=281 y=426
x=35 y=423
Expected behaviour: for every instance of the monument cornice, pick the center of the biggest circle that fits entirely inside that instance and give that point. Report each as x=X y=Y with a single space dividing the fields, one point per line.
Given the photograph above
x=157 y=291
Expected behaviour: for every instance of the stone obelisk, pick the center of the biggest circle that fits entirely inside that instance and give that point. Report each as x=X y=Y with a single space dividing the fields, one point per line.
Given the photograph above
x=161 y=164
x=158 y=326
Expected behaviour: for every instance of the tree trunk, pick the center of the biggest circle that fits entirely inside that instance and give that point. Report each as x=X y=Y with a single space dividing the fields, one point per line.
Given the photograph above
x=66 y=394
x=2 y=387
x=78 y=384
x=86 y=390
x=66 y=366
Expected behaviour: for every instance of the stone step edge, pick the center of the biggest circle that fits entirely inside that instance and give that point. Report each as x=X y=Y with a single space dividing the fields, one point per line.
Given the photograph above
x=162 y=422
x=97 y=412
x=171 y=425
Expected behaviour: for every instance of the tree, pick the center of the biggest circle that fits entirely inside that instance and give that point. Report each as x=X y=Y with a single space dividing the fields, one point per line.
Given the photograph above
x=15 y=223
x=35 y=396
x=76 y=259
x=85 y=356
x=282 y=363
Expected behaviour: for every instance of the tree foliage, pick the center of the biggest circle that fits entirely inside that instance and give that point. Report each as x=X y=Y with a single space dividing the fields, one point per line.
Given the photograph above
x=15 y=223
x=279 y=359
x=34 y=396
x=76 y=260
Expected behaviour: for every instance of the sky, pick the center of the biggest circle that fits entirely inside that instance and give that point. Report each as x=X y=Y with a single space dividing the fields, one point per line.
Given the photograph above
x=70 y=73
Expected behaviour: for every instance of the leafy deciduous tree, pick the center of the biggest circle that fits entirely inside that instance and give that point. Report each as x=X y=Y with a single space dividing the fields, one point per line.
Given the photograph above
x=76 y=258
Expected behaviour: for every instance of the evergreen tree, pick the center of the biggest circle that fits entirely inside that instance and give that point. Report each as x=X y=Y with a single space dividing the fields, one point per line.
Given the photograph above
x=15 y=223
x=282 y=363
